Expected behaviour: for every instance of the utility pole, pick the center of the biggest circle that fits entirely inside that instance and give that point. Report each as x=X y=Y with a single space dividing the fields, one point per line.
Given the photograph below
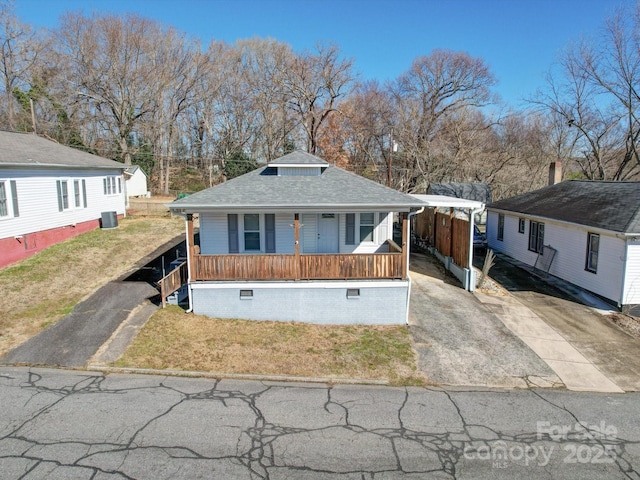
x=393 y=147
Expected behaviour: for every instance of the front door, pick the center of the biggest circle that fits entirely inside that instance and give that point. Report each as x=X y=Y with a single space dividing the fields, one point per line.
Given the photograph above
x=328 y=233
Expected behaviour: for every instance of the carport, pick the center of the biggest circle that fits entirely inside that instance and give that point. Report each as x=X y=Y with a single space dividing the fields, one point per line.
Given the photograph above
x=446 y=236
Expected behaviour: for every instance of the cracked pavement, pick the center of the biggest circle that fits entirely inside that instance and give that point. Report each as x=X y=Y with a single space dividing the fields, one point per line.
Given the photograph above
x=59 y=424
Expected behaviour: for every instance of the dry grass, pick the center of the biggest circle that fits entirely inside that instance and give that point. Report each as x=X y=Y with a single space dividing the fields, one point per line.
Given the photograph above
x=40 y=290
x=172 y=339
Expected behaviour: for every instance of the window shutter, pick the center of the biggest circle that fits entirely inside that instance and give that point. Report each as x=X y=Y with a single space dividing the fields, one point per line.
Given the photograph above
x=104 y=184
x=270 y=233
x=350 y=238
x=14 y=196
x=232 y=224
x=59 y=186
x=84 y=193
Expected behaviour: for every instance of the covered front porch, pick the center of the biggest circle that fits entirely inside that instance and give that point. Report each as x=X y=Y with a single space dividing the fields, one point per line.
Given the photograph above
x=296 y=266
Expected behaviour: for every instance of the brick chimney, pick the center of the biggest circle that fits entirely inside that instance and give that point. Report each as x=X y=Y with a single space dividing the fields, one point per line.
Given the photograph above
x=555 y=172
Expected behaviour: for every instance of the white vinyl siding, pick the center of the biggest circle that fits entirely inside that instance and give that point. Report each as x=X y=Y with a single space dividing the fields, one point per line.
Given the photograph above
x=214 y=236
x=214 y=233
x=631 y=294
x=568 y=264
x=309 y=233
x=284 y=233
x=38 y=199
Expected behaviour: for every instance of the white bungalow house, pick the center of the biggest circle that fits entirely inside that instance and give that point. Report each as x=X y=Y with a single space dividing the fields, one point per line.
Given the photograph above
x=49 y=193
x=135 y=181
x=298 y=239
x=591 y=231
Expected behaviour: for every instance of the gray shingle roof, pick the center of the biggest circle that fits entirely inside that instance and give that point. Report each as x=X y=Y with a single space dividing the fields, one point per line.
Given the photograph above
x=299 y=158
x=480 y=192
x=335 y=188
x=26 y=149
x=611 y=206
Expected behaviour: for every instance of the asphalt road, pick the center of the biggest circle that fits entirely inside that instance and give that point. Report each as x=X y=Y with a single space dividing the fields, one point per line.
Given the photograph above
x=59 y=424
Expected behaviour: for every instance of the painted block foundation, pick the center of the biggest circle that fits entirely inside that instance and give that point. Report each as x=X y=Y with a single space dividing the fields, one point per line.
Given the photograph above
x=14 y=249
x=377 y=302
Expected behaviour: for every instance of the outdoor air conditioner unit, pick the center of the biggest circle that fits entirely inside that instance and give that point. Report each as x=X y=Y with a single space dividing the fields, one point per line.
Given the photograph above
x=109 y=220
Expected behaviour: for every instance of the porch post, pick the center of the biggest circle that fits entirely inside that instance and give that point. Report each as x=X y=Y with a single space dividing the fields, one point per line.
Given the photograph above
x=191 y=251
x=405 y=239
x=296 y=242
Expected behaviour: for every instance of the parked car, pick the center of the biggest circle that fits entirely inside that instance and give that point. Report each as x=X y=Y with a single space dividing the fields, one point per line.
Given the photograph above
x=479 y=239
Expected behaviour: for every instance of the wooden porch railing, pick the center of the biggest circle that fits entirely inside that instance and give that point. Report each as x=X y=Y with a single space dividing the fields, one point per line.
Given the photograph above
x=304 y=267
x=173 y=281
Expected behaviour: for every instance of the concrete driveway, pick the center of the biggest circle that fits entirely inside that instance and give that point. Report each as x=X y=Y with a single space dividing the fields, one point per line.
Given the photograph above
x=460 y=341
x=610 y=349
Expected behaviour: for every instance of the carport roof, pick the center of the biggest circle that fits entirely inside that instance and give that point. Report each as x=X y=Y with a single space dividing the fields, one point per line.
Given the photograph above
x=448 y=202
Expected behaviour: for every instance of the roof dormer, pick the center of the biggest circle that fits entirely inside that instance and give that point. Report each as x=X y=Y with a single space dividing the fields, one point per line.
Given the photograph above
x=299 y=163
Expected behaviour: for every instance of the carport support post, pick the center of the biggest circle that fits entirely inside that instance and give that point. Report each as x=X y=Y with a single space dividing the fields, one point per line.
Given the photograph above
x=405 y=239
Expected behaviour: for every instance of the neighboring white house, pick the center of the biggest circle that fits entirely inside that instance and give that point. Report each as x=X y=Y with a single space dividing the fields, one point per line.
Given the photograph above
x=593 y=226
x=298 y=239
x=135 y=182
x=49 y=193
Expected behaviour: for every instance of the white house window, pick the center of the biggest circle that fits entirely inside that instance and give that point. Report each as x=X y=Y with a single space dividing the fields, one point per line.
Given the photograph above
x=63 y=195
x=367 y=225
x=8 y=199
x=593 y=245
x=77 y=193
x=112 y=185
x=252 y=232
x=536 y=236
x=521 y=224
x=500 y=233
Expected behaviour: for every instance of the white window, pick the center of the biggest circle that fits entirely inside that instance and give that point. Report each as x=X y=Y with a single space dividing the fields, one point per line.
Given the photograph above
x=63 y=195
x=252 y=232
x=112 y=185
x=72 y=194
x=367 y=226
x=8 y=199
x=76 y=193
x=593 y=246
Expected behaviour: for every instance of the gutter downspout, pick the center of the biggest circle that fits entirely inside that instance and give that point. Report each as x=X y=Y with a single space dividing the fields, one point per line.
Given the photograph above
x=411 y=214
x=472 y=212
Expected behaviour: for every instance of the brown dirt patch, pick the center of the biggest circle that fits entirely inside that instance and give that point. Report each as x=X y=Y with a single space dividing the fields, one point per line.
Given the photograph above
x=628 y=323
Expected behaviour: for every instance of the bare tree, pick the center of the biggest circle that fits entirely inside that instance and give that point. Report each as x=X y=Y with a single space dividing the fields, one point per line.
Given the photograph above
x=313 y=85
x=19 y=50
x=113 y=64
x=434 y=89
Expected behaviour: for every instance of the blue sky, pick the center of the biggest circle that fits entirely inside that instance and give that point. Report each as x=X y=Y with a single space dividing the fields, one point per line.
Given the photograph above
x=519 y=39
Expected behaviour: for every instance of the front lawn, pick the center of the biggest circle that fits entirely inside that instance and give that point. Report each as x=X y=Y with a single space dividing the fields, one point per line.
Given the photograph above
x=173 y=339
